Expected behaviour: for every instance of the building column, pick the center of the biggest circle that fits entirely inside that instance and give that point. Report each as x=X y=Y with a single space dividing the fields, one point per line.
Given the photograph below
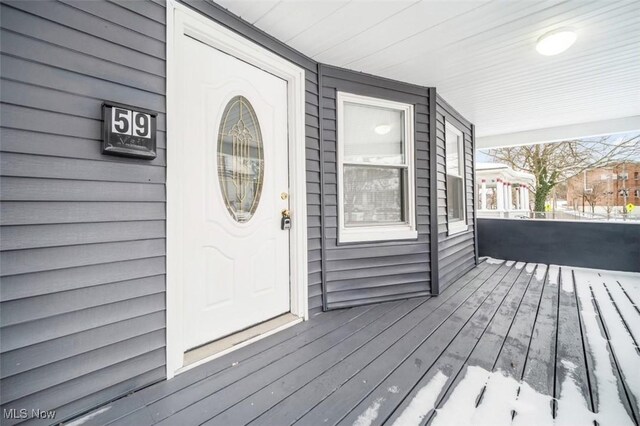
x=499 y=195
x=518 y=198
x=507 y=196
x=483 y=195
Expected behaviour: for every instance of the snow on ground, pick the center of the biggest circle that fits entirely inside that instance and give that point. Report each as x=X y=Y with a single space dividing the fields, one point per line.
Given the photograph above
x=492 y=261
x=554 y=274
x=627 y=309
x=611 y=411
x=423 y=402
x=492 y=398
x=540 y=271
x=370 y=414
x=82 y=420
x=566 y=278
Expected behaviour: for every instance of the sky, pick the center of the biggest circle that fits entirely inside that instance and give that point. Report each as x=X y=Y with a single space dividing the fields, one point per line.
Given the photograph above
x=482 y=156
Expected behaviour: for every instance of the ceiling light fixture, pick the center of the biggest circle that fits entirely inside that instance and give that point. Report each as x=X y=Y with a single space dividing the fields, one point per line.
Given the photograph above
x=382 y=129
x=556 y=41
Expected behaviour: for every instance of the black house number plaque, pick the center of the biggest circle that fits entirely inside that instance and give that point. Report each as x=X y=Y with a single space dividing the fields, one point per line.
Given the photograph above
x=128 y=131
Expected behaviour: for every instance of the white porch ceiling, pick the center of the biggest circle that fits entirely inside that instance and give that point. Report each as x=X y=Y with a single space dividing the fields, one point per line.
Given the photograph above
x=479 y=54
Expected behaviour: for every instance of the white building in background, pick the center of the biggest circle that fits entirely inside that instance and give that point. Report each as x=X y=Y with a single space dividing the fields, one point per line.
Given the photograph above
x=503 y=192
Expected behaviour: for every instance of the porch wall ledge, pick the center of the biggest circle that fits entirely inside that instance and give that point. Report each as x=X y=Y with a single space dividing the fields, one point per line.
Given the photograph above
x=600 y=245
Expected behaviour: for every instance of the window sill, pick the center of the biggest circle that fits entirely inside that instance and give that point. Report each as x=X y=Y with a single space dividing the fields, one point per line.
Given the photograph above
x=457 y=228
x=369 y=234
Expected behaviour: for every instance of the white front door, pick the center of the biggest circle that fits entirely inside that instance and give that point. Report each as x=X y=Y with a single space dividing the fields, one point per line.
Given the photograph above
x=233 y=188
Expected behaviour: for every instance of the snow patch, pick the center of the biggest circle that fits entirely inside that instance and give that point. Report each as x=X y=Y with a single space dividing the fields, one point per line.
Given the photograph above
x=83 y=420
x=460 y=407
x=507 y=401
x=393 y=389
x=510 y=262
x=611 y=411
x=567 y=280
x=530 y=267
x=554 y=272
x=630 y=282
x=492 y=261
x=532 y=407
x=370 y=414
x=520 y=265
x=423 y=402
x=573 y=410
x=540 y=271
x=626 y=307
x=620 y=339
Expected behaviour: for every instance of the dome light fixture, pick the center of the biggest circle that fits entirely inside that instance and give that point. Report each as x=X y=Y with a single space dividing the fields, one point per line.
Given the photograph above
x=556 y=41
x=382 y=129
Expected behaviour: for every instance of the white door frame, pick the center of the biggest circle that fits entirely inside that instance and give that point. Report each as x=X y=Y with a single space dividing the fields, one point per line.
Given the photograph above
x=183 y=20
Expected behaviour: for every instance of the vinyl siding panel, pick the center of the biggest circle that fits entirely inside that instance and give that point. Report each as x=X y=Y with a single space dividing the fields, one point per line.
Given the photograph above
x=456 y=253
x=361 y=273
x=83 y=235
x=82 y=259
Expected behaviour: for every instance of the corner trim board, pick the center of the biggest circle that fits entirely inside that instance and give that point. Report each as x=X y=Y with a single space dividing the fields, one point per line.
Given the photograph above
x=433 y=194
x=323 y=248
x=475 y=192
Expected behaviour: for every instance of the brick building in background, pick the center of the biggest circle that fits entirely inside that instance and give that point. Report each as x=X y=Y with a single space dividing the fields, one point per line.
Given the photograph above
x=603 y=186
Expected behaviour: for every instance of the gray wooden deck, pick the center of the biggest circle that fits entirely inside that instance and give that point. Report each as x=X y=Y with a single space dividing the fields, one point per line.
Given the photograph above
x=506 y=343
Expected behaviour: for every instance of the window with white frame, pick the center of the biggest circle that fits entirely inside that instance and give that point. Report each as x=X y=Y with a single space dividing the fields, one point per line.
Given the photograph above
x=456 y=211
x=376 y=184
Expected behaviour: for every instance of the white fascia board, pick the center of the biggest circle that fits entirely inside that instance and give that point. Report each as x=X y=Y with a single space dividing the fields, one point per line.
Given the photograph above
x=561 y=133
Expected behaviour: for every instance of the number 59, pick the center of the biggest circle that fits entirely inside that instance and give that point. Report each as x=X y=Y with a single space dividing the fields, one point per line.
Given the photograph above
x=127 y=122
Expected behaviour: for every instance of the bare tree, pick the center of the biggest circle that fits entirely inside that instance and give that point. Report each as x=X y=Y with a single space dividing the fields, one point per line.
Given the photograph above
x=552 y=163
x=594 y=193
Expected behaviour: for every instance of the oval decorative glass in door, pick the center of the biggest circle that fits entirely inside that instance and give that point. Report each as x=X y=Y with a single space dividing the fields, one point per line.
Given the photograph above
x=240 y=159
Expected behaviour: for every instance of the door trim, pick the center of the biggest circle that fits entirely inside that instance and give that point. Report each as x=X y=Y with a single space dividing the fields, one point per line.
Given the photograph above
x=183 y=20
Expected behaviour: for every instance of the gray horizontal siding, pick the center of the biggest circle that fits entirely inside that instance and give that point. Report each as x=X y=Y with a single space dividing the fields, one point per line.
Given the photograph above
x=357 y=274
x=82 y=259
x=83 y=235
x=456 y=253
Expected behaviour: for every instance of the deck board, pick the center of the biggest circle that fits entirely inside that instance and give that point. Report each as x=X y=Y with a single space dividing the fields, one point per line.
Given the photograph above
x=539 y=370
x=345 y=399
x=291 y=409
x=571 y=358
x=419 y=361
x=197 y=403
x=489 y=344
x=452 y=360
x=506 y=341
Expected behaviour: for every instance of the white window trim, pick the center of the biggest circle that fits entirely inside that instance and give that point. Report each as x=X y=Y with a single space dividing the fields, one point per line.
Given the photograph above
x=404 y=231
x=457 y=226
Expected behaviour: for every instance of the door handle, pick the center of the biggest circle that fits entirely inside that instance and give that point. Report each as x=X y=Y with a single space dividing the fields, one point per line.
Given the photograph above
x=285 y=222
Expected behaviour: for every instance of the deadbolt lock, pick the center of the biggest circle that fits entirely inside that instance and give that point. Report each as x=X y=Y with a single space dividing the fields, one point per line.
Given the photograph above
x=284 y=196
x=285 y=222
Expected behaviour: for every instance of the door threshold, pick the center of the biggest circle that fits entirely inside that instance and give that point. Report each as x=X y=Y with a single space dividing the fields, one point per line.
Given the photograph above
x=217 y=348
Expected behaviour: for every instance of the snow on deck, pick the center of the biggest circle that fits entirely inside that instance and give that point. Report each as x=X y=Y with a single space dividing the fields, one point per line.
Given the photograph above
x=508 y=343
x=609 y=317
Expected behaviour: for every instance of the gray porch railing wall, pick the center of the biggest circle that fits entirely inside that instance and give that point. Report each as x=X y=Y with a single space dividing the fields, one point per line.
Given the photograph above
x=456 y=253
x=601 y=245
